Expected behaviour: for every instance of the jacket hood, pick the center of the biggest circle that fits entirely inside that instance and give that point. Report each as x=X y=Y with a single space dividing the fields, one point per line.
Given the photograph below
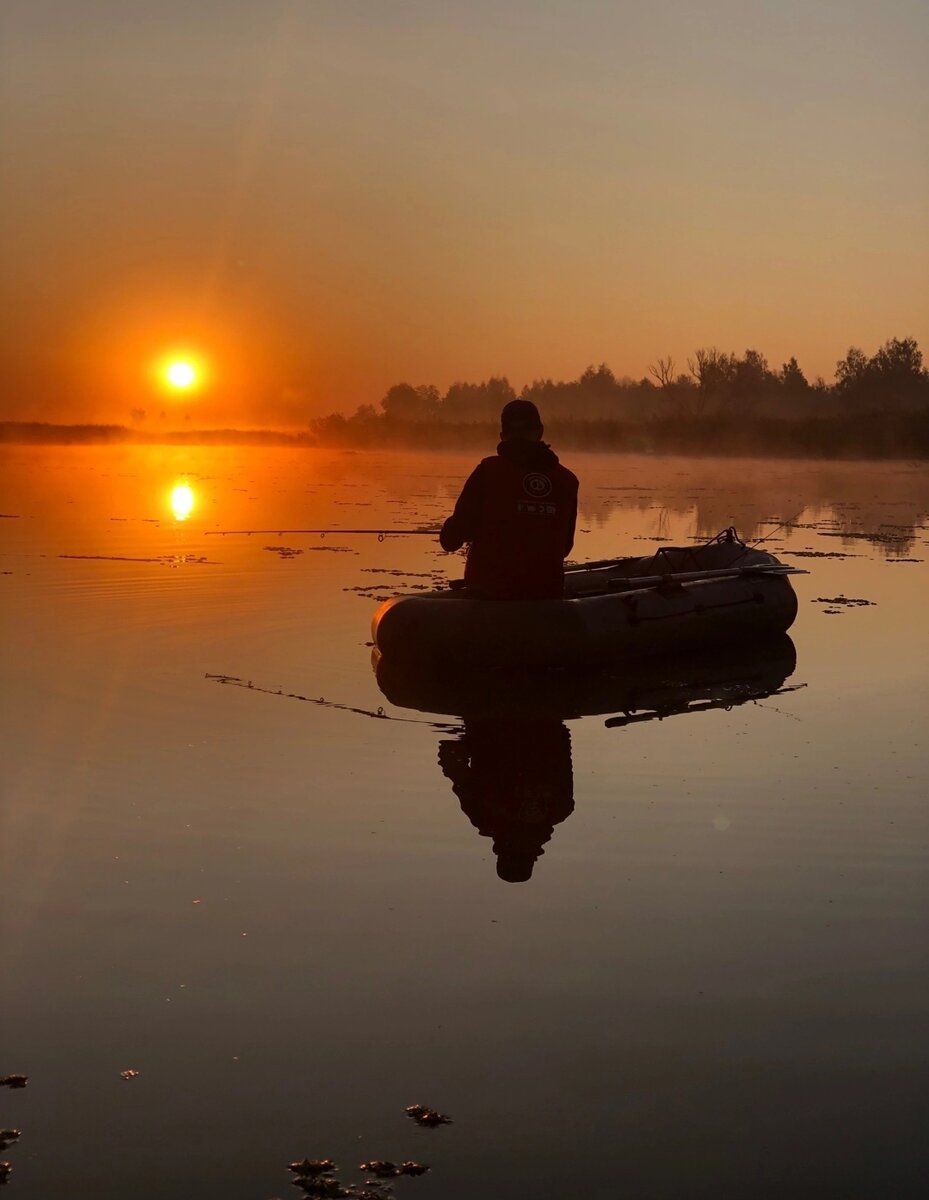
x=534 y=455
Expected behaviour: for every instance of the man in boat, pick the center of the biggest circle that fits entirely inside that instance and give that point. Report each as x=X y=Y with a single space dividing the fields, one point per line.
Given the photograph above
x=518 y=511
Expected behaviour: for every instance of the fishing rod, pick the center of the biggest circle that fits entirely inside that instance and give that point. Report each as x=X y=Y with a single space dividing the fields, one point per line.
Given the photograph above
x=789 y=521
x=322 y=702
x=698 y=706
x=381 y=533
x=771 y=532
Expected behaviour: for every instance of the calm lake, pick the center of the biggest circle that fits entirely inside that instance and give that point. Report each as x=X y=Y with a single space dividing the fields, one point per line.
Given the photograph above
x=223 y=868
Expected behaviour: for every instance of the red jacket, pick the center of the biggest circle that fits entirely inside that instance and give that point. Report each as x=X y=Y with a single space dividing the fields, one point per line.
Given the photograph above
x=518 y=510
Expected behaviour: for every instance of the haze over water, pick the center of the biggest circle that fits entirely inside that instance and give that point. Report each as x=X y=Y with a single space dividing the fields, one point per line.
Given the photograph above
x=286 y=914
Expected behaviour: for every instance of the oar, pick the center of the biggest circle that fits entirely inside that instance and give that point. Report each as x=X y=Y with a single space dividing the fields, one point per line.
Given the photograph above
x=646 y=581
x=600 y=562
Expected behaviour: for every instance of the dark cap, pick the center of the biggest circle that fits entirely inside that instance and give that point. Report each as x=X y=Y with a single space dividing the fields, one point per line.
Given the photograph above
x=520 y=415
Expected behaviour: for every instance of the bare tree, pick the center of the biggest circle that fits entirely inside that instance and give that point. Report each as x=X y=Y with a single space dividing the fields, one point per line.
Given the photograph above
x=680 y=392
x=662 y=369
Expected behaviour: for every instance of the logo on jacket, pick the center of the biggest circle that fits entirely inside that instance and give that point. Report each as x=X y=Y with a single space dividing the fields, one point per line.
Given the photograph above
x=537 y=485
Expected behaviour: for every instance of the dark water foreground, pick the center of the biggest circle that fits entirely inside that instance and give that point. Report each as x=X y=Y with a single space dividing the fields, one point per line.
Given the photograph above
x=661 y=936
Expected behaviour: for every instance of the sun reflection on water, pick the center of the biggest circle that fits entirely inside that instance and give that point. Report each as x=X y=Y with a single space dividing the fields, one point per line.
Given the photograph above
x=182 y=501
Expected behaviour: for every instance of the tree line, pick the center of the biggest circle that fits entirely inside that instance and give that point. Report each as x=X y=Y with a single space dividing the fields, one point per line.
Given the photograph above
x=712 y=390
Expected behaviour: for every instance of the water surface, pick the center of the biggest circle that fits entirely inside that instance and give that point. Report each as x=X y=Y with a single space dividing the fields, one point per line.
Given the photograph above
x=286 y=912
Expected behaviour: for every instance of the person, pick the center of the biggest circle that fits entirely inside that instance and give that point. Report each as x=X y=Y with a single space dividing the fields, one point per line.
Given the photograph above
x=518 y=512
x=515 y=782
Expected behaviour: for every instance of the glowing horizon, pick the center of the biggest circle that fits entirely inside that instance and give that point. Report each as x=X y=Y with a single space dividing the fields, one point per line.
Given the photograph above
x=561 y=186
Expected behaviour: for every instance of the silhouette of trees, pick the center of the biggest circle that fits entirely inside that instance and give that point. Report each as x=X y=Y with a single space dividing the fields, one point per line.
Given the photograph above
x=596 y=395
x=851 y=371
x=716 y=384
x=897 y=371
x=791 y=393
x=893 y=377
x=725 y=383
x=408 y=403
x=713 y=372
x=721 y=399
x=752 y=380
x=792 y=380
x=898 y=358
x=477 y=401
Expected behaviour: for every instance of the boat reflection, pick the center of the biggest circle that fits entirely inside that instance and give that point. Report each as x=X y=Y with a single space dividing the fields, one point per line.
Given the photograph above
x=510 y=764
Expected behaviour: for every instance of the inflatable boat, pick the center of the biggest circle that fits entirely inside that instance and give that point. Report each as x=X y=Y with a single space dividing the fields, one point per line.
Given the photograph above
x=679 y=596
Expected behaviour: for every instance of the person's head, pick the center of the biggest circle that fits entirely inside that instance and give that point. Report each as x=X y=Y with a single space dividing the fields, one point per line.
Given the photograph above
x=520 y=422
x=514 y=867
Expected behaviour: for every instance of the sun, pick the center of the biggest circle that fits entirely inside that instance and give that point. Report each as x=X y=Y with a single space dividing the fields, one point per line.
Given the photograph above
x=182 y=371
x=182 y=501
x=181 y=374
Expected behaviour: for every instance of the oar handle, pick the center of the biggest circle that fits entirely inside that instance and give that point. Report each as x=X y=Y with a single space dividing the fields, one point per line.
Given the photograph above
x=575 y=568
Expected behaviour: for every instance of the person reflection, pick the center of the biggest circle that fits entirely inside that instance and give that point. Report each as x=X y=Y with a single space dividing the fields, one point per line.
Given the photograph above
x=515 y=782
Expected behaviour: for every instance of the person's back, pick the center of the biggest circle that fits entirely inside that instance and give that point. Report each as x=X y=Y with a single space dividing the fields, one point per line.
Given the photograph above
x=518 y=511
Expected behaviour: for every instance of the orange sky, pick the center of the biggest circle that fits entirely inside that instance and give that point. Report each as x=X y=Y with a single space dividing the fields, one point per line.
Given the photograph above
x=322 y=198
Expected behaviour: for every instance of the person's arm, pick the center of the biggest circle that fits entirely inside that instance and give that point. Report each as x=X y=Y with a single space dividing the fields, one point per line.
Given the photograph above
x=572 y=523
x=463 y=524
